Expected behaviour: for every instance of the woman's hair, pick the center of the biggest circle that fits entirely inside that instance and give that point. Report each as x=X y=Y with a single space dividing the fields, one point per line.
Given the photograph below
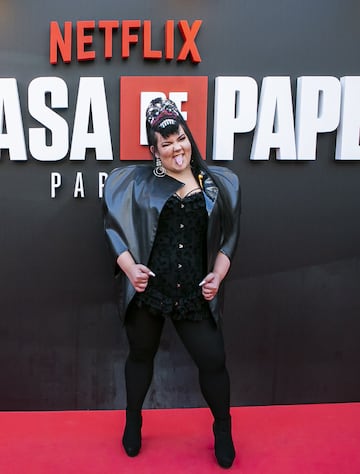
x=170 y=125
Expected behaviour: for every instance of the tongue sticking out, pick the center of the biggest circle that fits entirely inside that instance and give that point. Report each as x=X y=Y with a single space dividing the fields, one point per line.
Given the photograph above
x=179 y=160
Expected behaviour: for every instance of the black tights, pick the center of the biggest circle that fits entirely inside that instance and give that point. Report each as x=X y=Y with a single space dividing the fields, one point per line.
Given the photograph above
x=202 y=339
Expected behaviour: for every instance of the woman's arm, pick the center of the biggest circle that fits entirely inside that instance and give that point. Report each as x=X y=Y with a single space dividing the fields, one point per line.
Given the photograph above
x=210 y=284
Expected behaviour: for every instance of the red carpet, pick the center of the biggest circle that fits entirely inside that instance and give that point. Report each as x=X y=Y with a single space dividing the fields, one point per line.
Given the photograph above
x=306 y=439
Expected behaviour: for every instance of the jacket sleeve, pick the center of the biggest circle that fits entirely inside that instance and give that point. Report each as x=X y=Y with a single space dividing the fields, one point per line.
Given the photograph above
x=116 y=201
x=231 y=186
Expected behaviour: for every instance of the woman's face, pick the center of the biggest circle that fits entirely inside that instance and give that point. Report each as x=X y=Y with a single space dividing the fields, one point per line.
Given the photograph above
x=173 y=151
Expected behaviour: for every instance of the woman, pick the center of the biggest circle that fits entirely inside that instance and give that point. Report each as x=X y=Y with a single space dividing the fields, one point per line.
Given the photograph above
x=173 y=229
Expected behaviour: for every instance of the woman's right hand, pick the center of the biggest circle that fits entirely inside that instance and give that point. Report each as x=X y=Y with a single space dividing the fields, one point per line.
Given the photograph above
x=138 y=275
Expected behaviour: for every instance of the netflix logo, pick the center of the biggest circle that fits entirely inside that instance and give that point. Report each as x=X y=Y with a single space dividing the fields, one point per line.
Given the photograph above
x=121 y=36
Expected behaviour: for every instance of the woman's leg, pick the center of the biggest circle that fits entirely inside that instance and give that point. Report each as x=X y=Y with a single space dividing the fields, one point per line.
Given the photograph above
x=143 y=333
x=205 y=344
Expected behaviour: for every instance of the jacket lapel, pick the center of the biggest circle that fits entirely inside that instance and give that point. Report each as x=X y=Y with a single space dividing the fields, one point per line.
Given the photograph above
x=161 y=189
x=210 y=191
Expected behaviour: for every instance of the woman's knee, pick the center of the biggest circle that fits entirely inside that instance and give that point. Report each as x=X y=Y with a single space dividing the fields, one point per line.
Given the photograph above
x=212 y=362
x=142 y=353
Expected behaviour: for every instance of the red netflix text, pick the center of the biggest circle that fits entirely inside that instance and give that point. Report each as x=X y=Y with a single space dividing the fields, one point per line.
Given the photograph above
x=125 y=33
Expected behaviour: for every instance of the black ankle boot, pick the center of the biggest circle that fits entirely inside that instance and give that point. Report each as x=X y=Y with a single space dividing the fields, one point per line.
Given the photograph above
x=132 y=433
x=224 y=446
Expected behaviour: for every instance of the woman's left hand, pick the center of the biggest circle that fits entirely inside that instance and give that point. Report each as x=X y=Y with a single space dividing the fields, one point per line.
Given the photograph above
x=210 y=285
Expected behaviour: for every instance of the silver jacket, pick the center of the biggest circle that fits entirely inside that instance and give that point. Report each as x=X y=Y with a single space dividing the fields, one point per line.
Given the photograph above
x=133 y=200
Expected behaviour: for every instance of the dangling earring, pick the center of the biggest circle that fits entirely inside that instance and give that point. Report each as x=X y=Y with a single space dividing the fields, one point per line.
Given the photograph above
x=159 y=171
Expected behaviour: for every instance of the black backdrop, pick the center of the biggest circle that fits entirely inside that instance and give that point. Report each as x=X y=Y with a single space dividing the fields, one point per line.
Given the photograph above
x=293 y=299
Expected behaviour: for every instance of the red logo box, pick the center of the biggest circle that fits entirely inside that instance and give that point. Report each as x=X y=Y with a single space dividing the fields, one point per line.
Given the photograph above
x=190 y=94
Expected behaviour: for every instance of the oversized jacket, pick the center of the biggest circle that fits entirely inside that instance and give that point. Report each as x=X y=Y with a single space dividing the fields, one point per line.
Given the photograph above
x=133 y=200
